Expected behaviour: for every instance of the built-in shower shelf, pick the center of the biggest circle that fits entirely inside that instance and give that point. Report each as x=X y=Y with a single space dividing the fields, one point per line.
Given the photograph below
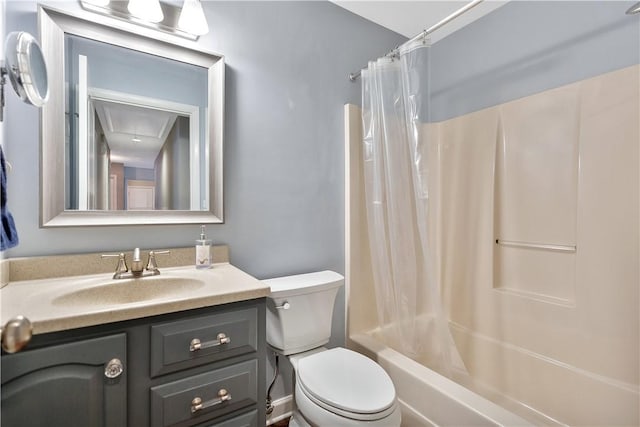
x=543 y=246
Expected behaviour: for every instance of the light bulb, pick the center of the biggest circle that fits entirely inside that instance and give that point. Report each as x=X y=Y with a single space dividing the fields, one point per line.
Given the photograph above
x=192 y=19
x=634 y=9
x=147 y=10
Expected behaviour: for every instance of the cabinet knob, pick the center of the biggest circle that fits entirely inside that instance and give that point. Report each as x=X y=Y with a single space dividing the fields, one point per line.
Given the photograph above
x=197 y=404
x=113 y=369
x=16 y=334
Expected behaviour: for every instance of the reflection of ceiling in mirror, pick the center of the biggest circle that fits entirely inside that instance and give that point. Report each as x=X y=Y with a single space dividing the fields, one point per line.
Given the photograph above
x=134 y=134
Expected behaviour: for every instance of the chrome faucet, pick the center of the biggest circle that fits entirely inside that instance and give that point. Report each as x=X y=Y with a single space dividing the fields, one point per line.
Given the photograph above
x=136 y=264
x=137 y=269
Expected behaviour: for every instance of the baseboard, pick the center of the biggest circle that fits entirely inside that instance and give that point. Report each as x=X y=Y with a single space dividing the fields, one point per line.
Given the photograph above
x=282 y=409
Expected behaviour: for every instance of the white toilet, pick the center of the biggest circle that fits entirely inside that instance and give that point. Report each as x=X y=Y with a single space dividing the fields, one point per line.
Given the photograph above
x=336 y=387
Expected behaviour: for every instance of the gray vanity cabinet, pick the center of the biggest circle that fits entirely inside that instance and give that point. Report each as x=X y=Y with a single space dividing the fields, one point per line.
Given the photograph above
x=203 y=367
x=65 y=385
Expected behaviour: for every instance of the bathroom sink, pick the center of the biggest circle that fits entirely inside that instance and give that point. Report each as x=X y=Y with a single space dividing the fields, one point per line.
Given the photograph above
x=127 y=291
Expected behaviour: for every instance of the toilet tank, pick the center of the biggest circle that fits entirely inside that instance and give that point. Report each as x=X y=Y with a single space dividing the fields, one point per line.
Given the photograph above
x=300 y=310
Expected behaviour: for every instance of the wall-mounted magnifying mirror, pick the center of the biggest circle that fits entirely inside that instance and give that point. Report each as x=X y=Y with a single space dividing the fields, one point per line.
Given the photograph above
x=27 y=70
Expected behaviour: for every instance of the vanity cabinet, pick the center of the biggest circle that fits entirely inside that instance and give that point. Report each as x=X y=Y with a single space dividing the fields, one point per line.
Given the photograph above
x=65 y=385
x=203 y=367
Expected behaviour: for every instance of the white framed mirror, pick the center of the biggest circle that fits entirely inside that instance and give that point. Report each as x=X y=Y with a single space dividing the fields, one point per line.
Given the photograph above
x=133 y=130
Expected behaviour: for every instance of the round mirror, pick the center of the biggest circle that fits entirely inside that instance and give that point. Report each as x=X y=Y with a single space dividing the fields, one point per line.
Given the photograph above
x=26 y=68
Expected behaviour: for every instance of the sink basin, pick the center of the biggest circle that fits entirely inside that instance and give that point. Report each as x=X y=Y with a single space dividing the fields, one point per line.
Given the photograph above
x=128 y=291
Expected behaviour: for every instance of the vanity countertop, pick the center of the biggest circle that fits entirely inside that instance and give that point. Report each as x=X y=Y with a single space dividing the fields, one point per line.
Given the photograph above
x=64 y=303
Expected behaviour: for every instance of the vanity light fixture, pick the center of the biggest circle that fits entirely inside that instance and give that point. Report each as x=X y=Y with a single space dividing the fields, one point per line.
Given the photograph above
x=192 y=19
x=187 y=21
x=147 y=10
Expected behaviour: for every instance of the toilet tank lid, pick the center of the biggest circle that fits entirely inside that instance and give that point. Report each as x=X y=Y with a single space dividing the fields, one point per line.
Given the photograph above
x=304 y=283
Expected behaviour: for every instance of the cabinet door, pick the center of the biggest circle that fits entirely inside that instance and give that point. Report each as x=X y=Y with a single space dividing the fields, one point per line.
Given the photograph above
x=65 y=385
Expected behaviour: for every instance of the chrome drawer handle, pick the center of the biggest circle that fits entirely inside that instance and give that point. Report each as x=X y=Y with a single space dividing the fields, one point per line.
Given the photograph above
x=284 y=306
x=197 y=404
x=196 y=344
x=113 y=369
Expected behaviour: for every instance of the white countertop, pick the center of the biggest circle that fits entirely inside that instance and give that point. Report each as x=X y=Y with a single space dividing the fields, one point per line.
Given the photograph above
x=61 y=303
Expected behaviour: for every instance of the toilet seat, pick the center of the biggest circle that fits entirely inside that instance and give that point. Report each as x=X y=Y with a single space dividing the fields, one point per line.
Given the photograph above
x=346 y=383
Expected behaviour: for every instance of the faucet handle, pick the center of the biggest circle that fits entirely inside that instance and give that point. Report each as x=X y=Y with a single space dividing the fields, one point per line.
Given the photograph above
x=122 y=264
x=151 y=262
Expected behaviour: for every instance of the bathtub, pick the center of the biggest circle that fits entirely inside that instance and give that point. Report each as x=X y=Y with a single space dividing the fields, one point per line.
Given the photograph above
x=428 y=398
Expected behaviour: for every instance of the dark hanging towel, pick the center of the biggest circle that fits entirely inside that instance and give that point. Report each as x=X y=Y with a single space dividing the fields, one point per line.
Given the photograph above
x=8 y=232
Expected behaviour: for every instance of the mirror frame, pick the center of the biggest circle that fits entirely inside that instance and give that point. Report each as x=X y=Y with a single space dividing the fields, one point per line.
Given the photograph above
x=53 y=25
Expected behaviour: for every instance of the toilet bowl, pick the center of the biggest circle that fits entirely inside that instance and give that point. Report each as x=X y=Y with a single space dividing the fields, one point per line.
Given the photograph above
x=334 y=387
x=339 y=387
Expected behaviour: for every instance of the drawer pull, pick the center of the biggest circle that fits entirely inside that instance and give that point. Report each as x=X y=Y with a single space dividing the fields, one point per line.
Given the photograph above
x=196 y=344
x=285 y=306
x=197 y=404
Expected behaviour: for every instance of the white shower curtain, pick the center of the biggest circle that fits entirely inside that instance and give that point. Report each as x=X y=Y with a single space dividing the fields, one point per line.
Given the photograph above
x=395 y=102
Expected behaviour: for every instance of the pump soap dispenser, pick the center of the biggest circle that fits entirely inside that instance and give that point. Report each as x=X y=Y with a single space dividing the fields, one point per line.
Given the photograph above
x=203 y=250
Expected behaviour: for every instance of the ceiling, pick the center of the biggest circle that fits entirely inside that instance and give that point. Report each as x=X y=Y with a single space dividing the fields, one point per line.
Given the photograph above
x=411 y=17
x=135 y=134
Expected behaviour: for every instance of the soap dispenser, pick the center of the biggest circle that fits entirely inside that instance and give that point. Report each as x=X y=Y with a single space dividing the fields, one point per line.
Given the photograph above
x=203 y=250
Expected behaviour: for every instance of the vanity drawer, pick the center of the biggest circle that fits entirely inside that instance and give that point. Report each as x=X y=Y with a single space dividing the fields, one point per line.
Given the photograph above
x=173 y=403
x=250 y=419
x=220 y=336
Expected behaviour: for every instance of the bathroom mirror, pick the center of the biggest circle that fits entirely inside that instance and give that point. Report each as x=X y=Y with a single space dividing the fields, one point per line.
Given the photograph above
x=132 y=133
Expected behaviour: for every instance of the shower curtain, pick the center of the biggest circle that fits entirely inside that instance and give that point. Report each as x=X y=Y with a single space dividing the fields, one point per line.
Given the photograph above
x=395 y=102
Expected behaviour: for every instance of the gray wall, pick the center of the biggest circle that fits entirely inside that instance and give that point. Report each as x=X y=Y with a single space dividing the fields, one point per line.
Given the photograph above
x=287 y=67
x=527 y=47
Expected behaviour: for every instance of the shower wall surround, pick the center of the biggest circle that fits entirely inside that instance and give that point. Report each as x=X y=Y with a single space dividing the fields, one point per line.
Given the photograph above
x=538 y=323
x=552 y=161
x=534 y=138
x=549 y=331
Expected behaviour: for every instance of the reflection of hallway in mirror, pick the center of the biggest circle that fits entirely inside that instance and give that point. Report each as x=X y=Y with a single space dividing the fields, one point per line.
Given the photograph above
x=140 y=195
x=113 y=192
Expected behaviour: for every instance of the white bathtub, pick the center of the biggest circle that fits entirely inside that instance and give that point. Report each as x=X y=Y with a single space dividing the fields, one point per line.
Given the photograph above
x=428 y=398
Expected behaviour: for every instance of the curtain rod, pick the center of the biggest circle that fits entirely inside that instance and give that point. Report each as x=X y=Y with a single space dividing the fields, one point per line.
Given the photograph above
x=424 y=33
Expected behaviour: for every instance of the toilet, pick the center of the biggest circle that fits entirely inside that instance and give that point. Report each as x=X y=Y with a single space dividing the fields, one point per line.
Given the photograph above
x=334 y=387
